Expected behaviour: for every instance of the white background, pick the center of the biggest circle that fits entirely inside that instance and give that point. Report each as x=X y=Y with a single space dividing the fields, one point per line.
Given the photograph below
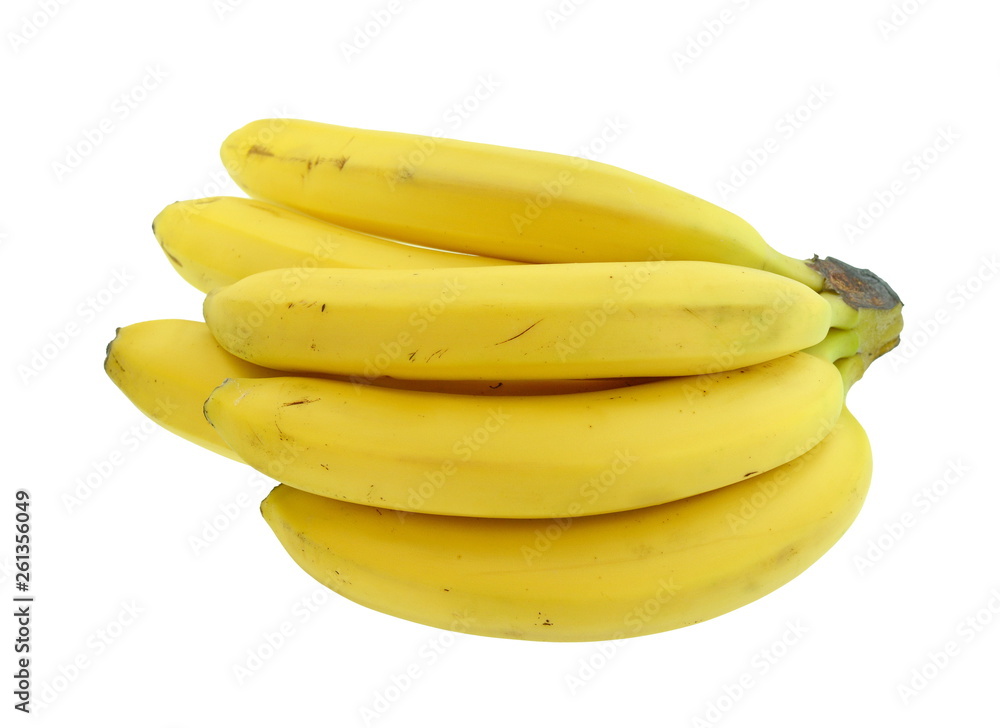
x=885 y=86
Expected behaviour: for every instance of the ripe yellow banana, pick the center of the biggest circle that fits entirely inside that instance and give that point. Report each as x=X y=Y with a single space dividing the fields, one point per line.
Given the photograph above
x=489 y=200
x=590 y=578
x=168 y=367
x=532 y=456
x=554 y=321
x=216 y=241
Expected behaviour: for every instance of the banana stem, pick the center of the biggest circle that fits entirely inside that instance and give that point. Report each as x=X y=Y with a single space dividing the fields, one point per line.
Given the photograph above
x=838 y=344
x=844 y=315
x=797 y=270
x=851 y=368
x=878 y=308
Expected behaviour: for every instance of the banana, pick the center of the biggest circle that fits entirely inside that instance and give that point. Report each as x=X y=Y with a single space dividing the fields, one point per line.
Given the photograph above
x=216 y=241
x=596 y=577
x=545 y=321
x=168 y=367
x=531 y=456
x=489 y=200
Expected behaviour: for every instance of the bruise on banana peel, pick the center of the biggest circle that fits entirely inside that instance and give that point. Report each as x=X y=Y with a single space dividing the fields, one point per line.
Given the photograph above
x=338 y=162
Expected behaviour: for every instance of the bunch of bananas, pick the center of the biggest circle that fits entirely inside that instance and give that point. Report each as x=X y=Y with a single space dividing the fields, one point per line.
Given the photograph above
x=512 y=393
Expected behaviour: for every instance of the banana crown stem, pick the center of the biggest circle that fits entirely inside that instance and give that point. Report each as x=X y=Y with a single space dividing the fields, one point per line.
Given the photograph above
x=878 y=312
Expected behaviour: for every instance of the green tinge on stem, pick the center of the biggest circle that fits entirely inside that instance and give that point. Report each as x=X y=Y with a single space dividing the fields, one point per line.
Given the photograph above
x=851 y=369
x=844 y=316
x=838 y=344
x=878 y=308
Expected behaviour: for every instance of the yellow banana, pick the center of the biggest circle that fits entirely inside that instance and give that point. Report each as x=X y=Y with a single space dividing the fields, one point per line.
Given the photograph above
x=489 y=200
x=597 y=577
x=545 y=321
x=168 y=367
x=532 y=456
x=216 y=241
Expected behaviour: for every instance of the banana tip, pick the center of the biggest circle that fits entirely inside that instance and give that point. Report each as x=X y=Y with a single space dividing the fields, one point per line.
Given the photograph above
x=211 y=401
x=107 y=349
